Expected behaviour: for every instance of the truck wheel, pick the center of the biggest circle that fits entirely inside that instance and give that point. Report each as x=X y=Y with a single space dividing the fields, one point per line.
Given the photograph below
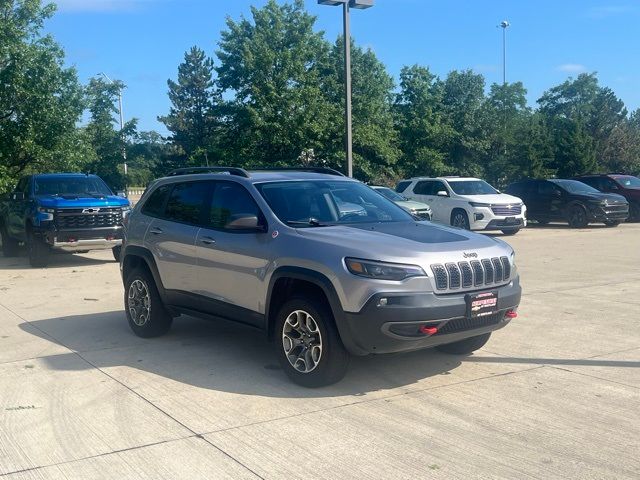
x=308 y=345
x=466 y=346
x=460 y=219
x=37 y=250
x=116 y=252
x=146 y=314
x=578 y=217
x=9 y=245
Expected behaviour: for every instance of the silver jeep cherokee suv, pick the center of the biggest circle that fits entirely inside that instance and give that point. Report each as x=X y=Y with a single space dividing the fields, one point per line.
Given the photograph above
x=286 y=251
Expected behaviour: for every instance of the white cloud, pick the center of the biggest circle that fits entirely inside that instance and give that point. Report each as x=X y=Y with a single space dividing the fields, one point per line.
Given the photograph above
x=571 y=68
x=99 y=5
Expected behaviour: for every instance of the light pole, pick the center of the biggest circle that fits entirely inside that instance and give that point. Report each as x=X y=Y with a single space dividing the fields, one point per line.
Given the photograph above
x=504 y=25
x=124 y=150
x=346 y=6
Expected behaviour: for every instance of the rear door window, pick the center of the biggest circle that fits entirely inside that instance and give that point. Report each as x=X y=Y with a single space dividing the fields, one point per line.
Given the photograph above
x=424 y=187
x=186 y=202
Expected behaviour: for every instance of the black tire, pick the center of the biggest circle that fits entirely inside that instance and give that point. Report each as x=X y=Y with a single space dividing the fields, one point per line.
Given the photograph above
x=578 y=217
x=459 y=218
x=612 y=223
x=510 y=232
x=37 y=251
x=466 y=346
x=332 y=364
x=116 y=252
x=10 y=246
x=151 y=322
x=634 y=212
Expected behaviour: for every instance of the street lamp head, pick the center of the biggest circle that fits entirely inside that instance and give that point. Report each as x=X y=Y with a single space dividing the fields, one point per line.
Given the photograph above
x=505 y=24
x=358 y=4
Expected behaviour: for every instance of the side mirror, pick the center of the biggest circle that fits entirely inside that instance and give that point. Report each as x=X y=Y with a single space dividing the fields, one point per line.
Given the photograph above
x=442 y=193
x=244 y=222
x=18 y=195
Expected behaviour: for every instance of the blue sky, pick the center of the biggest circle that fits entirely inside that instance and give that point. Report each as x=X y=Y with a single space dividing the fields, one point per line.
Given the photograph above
x=141 y=42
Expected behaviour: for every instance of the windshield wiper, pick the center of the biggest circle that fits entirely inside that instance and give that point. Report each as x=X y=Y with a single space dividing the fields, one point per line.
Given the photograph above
x=312 y=222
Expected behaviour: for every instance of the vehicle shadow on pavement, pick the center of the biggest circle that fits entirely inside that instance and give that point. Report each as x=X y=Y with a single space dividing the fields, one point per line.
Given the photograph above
x=217 y=355
x=565 y=226
x=60 y=260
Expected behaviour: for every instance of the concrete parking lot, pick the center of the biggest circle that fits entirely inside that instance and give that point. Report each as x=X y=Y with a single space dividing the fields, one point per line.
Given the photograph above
x=554 y=395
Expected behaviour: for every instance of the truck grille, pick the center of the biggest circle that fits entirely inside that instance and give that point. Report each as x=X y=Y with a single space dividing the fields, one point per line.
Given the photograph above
x=506 y=210
x=81 y=218
x=423 y=214
x=477 y=273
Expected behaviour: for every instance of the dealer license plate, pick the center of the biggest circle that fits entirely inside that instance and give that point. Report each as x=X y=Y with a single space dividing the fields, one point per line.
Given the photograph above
x=482 y=304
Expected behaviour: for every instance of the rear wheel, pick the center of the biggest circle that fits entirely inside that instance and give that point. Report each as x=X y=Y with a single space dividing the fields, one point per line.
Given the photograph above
x=460 y=219
x=307 y=343
x=634 y=212
x=578 y=217
x=37 y=250
x=466 y=346
x=146 y=314
x=10 y=246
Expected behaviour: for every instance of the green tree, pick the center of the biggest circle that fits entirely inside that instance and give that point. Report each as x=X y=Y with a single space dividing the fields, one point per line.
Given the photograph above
x=274 y=65
x=108 y=143
x=40 y=99
x=193 y=117
x=375 y=143
x=575 y=152
x=463 y=100
x=424 y=133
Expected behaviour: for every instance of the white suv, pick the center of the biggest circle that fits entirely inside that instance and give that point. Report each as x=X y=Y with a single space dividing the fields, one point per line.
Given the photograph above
x=468 y=203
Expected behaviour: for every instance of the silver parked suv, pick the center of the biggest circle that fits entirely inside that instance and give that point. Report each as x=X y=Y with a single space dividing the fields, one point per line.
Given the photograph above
x=323 y=264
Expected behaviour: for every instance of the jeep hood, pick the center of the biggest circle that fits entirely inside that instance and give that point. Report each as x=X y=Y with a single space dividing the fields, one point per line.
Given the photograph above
x=80 y=201
x=384 y=241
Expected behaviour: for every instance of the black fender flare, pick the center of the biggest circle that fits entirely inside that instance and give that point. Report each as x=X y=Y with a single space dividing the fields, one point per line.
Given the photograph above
x=147 y=257
x=321 y=281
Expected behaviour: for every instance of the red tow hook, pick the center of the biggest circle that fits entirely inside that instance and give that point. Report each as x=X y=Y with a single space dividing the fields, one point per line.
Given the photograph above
x=511 y=314
x=427 y=330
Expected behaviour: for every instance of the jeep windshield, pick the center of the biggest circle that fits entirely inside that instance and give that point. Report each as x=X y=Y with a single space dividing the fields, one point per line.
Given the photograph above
x=71 y=186
x=472 y=187
x=324 y=203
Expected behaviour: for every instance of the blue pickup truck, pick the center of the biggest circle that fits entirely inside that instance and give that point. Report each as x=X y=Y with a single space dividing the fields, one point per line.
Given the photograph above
x=65 y=212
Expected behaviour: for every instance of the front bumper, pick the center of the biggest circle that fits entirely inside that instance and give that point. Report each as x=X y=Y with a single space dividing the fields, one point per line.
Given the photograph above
x=610 y=213
x=394 y=327
x=81 y=240
x=483 y=218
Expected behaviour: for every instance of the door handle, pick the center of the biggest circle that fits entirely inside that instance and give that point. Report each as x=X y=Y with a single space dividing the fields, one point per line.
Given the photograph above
x=208 y=240
x=156 y=231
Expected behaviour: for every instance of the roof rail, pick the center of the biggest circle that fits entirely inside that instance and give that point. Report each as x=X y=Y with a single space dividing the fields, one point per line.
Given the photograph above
x=239 y=172
x=325 y=170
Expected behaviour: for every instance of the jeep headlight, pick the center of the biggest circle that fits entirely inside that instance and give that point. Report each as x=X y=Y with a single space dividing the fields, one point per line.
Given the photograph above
x=382 y=270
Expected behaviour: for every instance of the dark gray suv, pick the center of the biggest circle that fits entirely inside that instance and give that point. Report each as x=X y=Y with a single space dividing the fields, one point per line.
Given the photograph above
x=323 y=264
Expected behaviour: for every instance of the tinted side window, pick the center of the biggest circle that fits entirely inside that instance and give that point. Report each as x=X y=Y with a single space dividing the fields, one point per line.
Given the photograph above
x=423 y=188
x=547 y=188
x=186 y=202
x=516 y=189
x=230 y=201
x=154 y=205
x=594 y=182
x=402 y=186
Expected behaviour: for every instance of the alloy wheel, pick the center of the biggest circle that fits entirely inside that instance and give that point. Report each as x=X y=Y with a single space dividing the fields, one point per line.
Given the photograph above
x=302 y=341
x=139 y=302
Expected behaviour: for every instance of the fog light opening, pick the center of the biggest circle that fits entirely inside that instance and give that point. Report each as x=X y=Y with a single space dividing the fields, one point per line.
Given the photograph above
x=383 y=302
x=428 y=330
x=511 y=314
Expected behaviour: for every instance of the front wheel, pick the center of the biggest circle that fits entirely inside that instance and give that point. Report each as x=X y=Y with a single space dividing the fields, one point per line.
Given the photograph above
x=578 y=217
x=460 y=219
x=37 y=250
x=308 y=345
x=146 y=314
x=116 y=252
x=466 y=346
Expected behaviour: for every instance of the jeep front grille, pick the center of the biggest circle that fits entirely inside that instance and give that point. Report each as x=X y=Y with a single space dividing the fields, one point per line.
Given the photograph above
x=81 y=218
x=467 y=275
